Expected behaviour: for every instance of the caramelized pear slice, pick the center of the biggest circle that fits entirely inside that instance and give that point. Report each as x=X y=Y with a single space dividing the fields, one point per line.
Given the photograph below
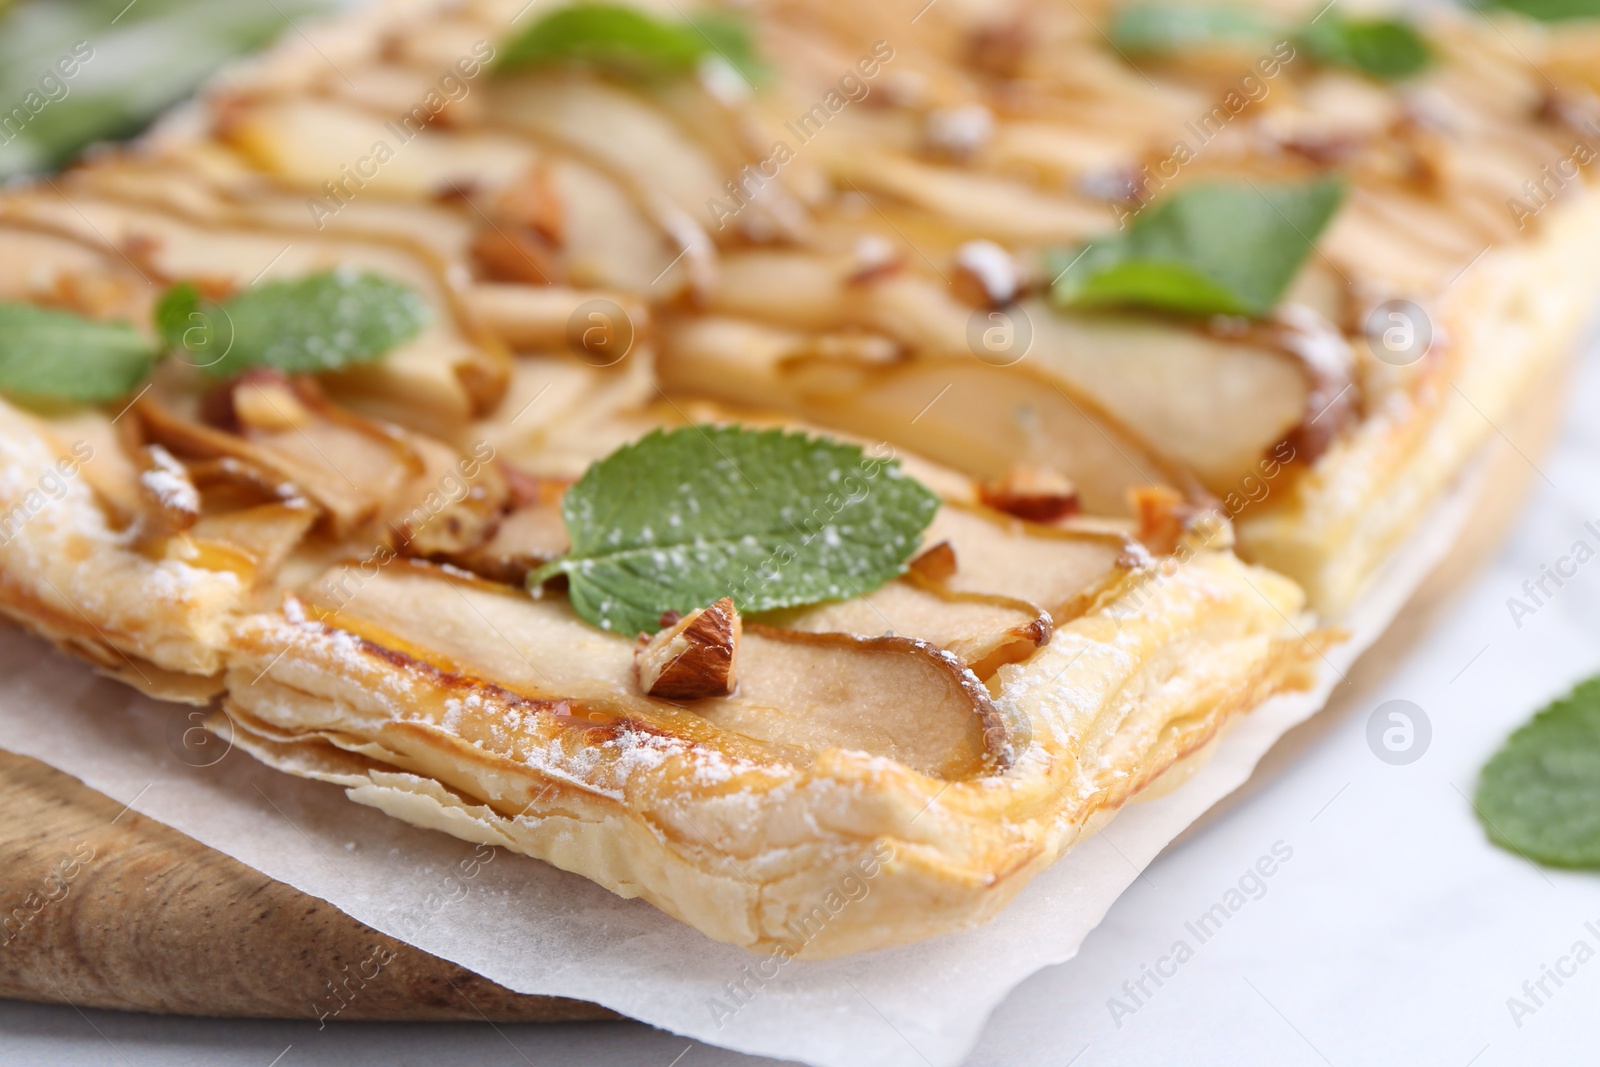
x=984 y=632
x=309 y=142
x=349 y=474
x=961 y=412
x=799 y=693
x=890 y=696
x=1215 y=403
x=1218 y=403
x=419 y=383
x=1061 y=570
x=265 y=534
x=525 y=539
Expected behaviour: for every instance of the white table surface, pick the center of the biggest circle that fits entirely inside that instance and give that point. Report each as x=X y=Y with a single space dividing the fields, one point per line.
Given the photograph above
x=1394 y=933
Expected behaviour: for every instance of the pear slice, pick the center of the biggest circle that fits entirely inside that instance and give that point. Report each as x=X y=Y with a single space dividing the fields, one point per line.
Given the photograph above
x=419 y=383
x=1218 y=403
x=984 y=632
x=890 y=696
x=311 y=142
x=963 y=413
x=800 y=694
x=1061 y=570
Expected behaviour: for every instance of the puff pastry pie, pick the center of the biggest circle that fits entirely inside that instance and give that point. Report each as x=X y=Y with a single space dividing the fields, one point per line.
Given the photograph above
x=1148 y=522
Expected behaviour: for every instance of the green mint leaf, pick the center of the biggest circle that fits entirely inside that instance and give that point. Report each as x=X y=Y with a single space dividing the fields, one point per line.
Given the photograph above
x=728 y=36
x=1154 y=29
x=320 y=322
x=47 y=354
x=1218 y=248
x=773 y=519
x=1384 y=48
x=1540 y=794
x=624 y=40
x=1551 y=10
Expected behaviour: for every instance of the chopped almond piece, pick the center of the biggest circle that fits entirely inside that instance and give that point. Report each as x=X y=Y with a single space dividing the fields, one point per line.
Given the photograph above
x=999 y=50
x=166 y=484
x=986 y=275
x=514 y=254
x=1163 y=516
x=268 y=402
x=936 y=563
x=693 y=657
x=872 y=258
x=1168 y=520
x=1038 y=494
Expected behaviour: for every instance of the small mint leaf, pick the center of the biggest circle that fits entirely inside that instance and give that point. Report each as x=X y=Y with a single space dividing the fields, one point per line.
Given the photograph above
x=1387 y=48
x=629 y=42
x=1551 y=10
x=1218 y=248
x=48 y=354
x=320 y=322
x=1384 y=48
x=773 y=519
x=1540 y=794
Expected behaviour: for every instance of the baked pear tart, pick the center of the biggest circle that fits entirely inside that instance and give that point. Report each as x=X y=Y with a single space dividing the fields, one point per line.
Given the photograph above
x=727 y=452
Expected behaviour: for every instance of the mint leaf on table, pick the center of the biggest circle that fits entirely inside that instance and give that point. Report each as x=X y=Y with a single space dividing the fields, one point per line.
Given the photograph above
x=1540 y=794
x=48 y=354
x=627 y=41
x=1154 y=29
x=1382 y=47
x=773 y=519
x=320 y=322
x=1218 y=248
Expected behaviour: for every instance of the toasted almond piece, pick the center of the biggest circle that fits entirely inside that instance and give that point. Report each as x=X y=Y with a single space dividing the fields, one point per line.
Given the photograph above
x=268 y=403
x=533 y=201
x=1169 y=522
x=693 y=657
x=1038 y=494
x=165 y=483
x=871 y=258
x=957 y=133
x=986 y=275
x=517 y=254
x=1163 y=515
x=999 y=49
x=936 y=563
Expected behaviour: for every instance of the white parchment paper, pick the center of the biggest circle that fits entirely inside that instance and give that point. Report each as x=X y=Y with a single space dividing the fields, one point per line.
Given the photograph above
x=535 y=929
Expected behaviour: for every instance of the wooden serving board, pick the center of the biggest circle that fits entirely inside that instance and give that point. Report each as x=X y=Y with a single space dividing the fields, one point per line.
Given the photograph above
x=158 y=922
x=146 y=919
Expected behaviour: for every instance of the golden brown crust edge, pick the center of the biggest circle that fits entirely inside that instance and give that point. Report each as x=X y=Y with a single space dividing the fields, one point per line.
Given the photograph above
x=748 y=852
